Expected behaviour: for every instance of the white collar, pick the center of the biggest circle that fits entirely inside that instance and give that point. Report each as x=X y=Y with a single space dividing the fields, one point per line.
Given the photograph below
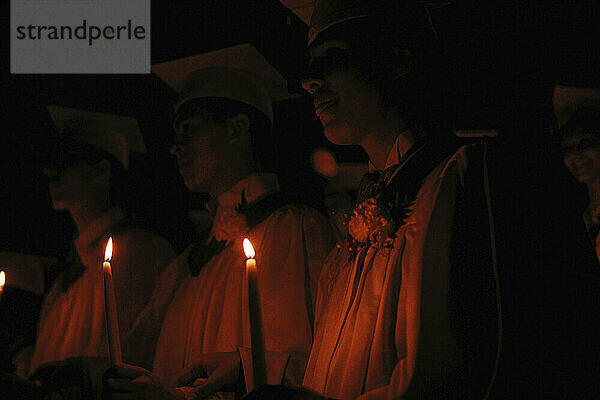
x=255 y=187
x=393 y=157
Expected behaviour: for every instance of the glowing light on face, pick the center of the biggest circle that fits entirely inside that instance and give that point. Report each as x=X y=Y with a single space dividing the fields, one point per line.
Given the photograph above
x=201 y=150
x=347 y=104
x=582 y=157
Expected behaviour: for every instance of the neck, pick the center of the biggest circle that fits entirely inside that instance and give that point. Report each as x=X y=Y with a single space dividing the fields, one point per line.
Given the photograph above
x=85 y=215
x=594 y=194
x=202 y=220
x=228 y=179
x=380 y=141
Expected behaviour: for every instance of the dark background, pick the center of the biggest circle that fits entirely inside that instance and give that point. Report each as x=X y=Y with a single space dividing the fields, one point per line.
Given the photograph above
x=506 y=57
x=157 y=197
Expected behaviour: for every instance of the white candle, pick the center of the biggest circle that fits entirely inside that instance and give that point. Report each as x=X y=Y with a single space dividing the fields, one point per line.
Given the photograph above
x=2 y=282
x=256 y=334
x=110 y=308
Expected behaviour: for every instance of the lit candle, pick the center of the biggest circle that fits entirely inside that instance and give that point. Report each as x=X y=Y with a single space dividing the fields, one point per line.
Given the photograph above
x=2 y=282
x=256 y=333
x=110 y=307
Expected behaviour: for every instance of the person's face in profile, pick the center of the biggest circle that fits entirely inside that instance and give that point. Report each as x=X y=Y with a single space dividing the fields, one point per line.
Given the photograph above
x=344 y=101
x=69 y=186
x=582 y=156
x=200 y=146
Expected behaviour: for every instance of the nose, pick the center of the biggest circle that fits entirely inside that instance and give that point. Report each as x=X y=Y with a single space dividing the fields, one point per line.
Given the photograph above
x=312 y=84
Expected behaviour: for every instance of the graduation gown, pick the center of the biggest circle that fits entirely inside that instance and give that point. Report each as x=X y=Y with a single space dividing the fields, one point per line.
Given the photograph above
x=209 y=312
x=394 y=322
x=72 y=321
x=591 y=224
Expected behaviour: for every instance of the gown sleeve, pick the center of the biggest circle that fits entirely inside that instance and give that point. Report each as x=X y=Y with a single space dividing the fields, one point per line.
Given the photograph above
x=146 y=257
x=290 y=255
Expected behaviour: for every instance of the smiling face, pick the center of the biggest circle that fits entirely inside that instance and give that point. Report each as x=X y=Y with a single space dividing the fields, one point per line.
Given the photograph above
x=200 y=147
x=345 y=102
x=582 y=156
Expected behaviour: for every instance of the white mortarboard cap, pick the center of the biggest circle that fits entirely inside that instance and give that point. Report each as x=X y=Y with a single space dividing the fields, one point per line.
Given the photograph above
x=25 y=271
x=332 y=12
x=116 y=134
x=328 y=13
x=238 y=72
x=475 y=133
x=567 y=100
x=304 y=8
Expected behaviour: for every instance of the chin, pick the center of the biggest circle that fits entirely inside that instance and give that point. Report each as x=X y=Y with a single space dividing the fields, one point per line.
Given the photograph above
x=59 y=205
x=193 y=186
x=339 y=134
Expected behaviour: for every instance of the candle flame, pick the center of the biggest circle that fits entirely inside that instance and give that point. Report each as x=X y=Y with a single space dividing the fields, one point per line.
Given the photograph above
x=2 y=279
x=248 y=249
x=109 y=249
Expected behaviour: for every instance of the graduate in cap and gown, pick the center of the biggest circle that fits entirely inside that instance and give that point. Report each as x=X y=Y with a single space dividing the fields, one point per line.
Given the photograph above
x=224 y=107
x=578 y=118
x=406 y=305
x=85 y=175
x=20 y=301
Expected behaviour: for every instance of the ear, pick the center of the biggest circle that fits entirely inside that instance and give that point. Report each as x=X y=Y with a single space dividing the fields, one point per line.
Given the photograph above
x=237 y=127
x=101 y=171
x=403 y=62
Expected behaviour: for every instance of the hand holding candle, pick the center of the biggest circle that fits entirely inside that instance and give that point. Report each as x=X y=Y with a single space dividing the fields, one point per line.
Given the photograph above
x=110 y=308
x=256 y=333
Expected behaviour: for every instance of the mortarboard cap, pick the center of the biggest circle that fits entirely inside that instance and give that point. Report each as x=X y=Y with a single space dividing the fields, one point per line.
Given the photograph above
x=25 y=271
x=304 y=8
x=328 y=13
x=115 y=134
x=567 y=100
x=475 y=133
x=238 y=72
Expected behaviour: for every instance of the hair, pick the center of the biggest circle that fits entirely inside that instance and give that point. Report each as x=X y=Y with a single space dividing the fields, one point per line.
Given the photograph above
x=422 y=92
x=221 y=109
